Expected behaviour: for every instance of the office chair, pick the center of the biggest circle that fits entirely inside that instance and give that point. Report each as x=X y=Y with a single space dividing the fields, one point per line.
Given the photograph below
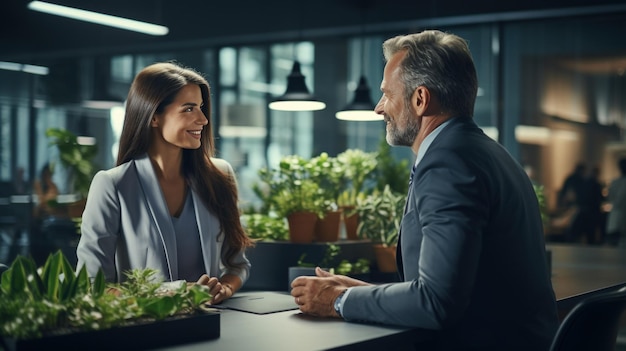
x=592 y=324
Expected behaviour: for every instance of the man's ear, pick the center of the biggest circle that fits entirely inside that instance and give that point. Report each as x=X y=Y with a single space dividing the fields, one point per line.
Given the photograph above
x=420 y=100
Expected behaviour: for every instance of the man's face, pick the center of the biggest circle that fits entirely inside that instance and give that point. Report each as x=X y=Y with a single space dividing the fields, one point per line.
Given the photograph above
x=402 y=125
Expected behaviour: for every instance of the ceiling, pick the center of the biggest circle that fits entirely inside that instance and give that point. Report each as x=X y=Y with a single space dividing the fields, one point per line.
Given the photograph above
x=29 y=37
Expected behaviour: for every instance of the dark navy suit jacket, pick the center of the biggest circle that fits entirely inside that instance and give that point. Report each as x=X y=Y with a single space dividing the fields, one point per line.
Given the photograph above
x=471 y=251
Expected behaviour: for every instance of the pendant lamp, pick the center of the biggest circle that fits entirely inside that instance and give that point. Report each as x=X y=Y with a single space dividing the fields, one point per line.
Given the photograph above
x=362 y=107
x=297 y=96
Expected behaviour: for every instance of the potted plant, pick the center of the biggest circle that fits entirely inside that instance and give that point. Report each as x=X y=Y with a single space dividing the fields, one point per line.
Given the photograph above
x=358 y=167
x=390 y=171
x=77 y=158
x=359 y=269
x=380 y=215
x=265 y=227
x=55 y=307
x=289 y=192
x=328 y=173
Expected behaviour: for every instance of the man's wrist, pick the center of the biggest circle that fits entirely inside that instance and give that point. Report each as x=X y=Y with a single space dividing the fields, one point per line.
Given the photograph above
x=338 y=301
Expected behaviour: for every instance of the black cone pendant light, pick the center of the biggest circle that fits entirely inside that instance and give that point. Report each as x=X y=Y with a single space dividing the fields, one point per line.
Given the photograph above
x=362 y=107
x=297 y=96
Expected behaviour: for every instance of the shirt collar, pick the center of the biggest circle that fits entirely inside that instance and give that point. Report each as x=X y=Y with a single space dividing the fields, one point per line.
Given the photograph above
x=429 y=140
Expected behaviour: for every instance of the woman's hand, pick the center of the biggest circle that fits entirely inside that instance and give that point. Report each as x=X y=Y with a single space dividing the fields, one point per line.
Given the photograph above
x=220 y=291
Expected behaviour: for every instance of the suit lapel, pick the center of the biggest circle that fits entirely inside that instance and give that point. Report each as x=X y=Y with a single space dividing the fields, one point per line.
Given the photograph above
x=207 y=224
x=157 y=208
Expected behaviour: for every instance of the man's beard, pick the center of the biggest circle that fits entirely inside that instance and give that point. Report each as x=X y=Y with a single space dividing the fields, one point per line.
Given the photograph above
x=406 y=136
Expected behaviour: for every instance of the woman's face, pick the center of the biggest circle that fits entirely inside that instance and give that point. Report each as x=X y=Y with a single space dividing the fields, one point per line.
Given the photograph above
x=180 y=124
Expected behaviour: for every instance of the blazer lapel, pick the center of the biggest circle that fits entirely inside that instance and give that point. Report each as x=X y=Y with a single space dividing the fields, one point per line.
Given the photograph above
x=207 y=224
x=155 y=203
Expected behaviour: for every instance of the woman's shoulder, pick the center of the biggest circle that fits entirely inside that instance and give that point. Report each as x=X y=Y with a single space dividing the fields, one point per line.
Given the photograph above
x=117 y=172
x=222 y=165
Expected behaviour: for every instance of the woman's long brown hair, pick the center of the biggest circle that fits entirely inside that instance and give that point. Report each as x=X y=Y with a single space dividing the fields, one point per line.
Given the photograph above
x=152 y=90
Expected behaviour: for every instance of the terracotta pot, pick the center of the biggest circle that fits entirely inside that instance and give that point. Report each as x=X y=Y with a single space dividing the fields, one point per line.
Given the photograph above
x=351 y=223
x=302 y=227
x=327 y=228
x=386 y=258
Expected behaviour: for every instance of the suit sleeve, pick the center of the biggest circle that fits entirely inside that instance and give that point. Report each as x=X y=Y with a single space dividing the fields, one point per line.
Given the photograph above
x=445 y=224
x=100 y=228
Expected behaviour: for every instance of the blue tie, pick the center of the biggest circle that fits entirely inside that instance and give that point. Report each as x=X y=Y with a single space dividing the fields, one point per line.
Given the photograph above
x=412 y=174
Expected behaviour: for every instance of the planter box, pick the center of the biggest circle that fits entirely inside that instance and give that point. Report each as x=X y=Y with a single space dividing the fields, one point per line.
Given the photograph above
x=271 y=260
x=170 y=331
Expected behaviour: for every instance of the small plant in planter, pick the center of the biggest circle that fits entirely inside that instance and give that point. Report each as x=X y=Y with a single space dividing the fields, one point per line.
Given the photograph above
x=289 y=192
x=75 y=157
x=332 y=251
x=54 y=301
x=359 y=167
x=265 y=227
x=360 y=268
x=380 y=216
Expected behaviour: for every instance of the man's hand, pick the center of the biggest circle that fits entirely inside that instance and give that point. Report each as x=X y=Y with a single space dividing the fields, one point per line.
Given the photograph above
x=316 y=295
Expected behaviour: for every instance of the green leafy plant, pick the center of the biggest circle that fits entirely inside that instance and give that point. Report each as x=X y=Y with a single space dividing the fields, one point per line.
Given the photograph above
x=390 y=171
x=332 y=250
x=290 y=188
x=344 y=267
x=380 y=215
x=358 y=168
x=265 y=227
x=329 y=174
x=360 y=266
x=53 y=299
x=76 y=157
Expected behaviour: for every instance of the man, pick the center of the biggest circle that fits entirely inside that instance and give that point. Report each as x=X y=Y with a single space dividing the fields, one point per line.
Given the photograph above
x=471 y=252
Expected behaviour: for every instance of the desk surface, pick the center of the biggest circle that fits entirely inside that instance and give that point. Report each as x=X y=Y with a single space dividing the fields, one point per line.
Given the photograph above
x=578 y=269
x=575 y=270
x=292 y=330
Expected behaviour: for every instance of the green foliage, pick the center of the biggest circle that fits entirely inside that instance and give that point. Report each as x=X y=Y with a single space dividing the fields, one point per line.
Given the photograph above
x=265 y=227
x=390 y=171
x=37 y=301
x=359 y=167
x=332 y=250
x=380 y=215
x=329 y=173
x=290 y=188
x=360 y=266
x=344 y=267
x=77 y=158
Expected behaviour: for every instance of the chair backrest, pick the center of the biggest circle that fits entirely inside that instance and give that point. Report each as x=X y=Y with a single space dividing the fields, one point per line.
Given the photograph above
x=592 y=324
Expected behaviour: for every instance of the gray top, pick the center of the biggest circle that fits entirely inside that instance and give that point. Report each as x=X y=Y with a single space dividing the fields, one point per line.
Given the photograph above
x=190 y=262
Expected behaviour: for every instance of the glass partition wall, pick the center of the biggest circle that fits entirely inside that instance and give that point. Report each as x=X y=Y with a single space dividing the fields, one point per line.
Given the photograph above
x=551 y=90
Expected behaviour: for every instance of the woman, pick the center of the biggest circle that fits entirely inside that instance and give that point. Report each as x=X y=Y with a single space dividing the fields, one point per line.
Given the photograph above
x=168 y=204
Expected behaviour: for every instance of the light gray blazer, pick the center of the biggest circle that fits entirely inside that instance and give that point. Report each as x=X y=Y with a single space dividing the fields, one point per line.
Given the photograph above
x=126 y=225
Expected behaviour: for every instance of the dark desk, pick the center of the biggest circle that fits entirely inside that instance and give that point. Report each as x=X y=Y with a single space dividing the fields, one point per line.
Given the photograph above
x=576 y=270
x=293 y=331
x=580 y=271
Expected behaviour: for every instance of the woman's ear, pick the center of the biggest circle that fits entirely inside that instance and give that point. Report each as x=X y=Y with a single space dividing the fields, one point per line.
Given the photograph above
x=154 y=122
